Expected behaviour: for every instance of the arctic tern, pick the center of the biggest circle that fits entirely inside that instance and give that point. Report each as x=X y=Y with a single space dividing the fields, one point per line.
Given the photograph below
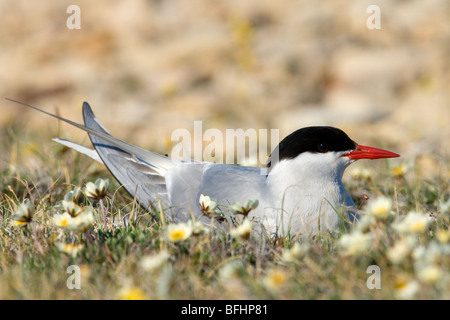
x=301 y=194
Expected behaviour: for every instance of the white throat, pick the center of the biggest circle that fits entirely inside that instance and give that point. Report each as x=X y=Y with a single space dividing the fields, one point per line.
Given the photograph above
x=307 y=192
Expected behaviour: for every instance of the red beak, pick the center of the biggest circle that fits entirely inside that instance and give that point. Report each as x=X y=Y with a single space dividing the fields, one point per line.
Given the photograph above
x=363 y=152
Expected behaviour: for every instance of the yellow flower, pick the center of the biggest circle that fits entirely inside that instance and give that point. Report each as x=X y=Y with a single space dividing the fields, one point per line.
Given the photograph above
x=275 y=278
x=443 y=236
x=23 y=214
x=82 y=221
x=414 y=222
x=61 y=220
x=429 y=273
x=243 y=230
x=132 y=293
x=71 y=208
x=399 y=171
x=406 y=288
x=380 y=207
x=178 y=232
x=68 y=248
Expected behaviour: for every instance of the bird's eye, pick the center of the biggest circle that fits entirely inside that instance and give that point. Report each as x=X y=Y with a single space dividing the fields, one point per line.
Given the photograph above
x=323 y=148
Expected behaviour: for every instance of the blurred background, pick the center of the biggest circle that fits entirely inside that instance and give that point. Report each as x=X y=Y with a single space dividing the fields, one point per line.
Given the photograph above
x=149 y=67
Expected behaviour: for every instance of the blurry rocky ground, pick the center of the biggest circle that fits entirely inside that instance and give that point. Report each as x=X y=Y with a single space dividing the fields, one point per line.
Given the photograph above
x=150 y=67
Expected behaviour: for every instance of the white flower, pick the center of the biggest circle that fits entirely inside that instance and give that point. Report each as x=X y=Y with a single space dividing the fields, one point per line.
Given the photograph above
x=414 y=223
x=82 y=221
x=73 y=195
x=364 y=223
x=444 y=207
x=295 y=253
x=361 y=174
x=207 y=206
x=406 y=289
x=245 y=208
x=429 y=273
x=198 y=228
x=231 y=270
x=419 y=253
x=380 y=207
x=243 y=230
x=401 y=249
x=431 y=254
x=155 y=261
x=355 y=243
x=23 y=214
x=61 y=220
x=98 y=189
x=178 y=232
x=68 y=248
x=71 y=208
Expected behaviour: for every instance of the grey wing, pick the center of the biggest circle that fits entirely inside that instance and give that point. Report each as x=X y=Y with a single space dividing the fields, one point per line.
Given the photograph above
x=182 y=184
x=224 y=183
x=229 y=183
x=139 y=178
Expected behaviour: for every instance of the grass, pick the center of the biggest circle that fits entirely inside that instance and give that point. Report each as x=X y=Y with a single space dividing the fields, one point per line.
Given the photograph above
x=210 y=265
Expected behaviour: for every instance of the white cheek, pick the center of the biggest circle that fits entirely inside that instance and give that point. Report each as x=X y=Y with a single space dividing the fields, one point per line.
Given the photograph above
x=309 y=186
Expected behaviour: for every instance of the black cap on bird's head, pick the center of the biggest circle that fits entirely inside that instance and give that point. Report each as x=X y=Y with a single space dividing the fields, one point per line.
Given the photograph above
x=323 y=139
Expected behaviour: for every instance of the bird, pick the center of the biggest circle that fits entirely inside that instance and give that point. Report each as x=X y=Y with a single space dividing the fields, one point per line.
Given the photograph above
x=300 y=194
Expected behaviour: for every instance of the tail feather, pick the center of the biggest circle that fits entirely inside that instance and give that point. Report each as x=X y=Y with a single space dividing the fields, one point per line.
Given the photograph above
x=141 y=172
x=160 y=162
x=141 y=179
x=81 y=149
